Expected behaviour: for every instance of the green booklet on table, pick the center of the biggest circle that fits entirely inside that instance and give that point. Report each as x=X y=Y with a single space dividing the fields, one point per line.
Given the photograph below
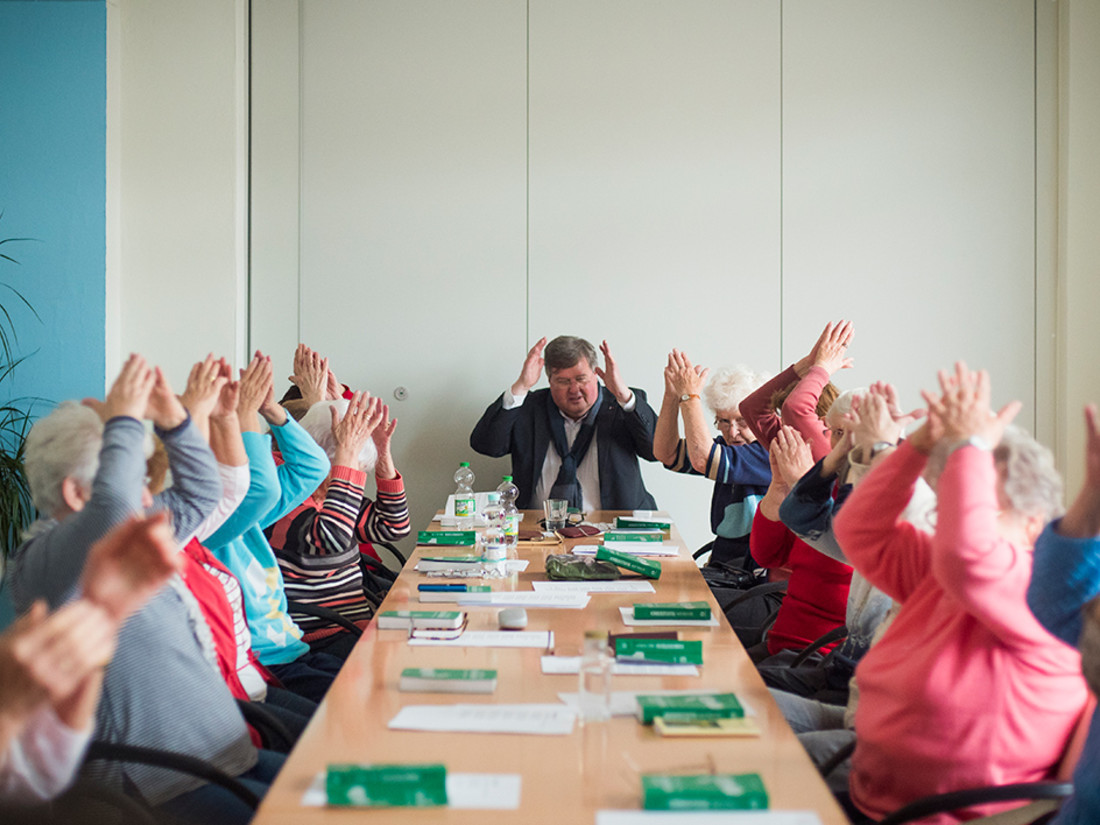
x=687 y=706
x=447 y=680
x=678 y=611
x=706 y=792
x=386 y=786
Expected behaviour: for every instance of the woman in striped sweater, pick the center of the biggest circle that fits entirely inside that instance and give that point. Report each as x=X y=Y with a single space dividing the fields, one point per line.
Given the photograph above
x=317 y=544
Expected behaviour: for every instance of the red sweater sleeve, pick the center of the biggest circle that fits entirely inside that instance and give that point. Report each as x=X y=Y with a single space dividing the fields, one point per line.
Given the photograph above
x=800 y=411
x=891 y=554
x=770 y=542
x=757 y=410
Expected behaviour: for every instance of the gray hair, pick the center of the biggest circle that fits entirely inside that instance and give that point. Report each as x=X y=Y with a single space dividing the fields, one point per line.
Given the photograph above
x=842 y=405
x=729 y=386
x=64 y=444
x=1032 y=485
x=318 y=423
x=566 y=351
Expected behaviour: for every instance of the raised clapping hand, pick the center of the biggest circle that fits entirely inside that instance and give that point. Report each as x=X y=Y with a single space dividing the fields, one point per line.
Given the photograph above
x=164 y=408
x=129 y=564
x=532 y=368
x=829 y=351
x=832 y=348
x=963 y=408
x=255 y=387
x=351 y=432
x=129 y=395
x=681 y=378
x=871 y=420
x=609 y=374
x=1092 y=447
x=204 y=386
x=311 y=375
x=1082 y=520
x=46 y=657
x=383 y=438
x=228 y=396
x=792 y=455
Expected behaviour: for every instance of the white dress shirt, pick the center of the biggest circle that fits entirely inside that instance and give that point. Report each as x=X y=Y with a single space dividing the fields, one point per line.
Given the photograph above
x=588 y=471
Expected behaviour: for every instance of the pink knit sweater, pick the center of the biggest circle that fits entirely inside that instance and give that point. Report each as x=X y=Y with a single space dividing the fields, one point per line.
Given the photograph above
x=966 y=688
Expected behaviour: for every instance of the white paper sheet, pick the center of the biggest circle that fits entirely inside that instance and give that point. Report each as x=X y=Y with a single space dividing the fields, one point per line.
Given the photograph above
x=625 y=702
x=616 y=586
x=469 y=791
x=553 y=665
x=542 y=639
x=707 y=818
x=644 y=548
x=651 y=515
x=526 y=598
x=513 y=566
x=628 y=619
x=635 y=548
x=537 y=719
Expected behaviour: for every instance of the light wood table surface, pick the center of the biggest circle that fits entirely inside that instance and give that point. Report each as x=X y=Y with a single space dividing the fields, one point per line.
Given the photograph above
x=565 y=779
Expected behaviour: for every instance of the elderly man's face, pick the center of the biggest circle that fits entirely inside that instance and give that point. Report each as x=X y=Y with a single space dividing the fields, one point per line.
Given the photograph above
x=574 y=389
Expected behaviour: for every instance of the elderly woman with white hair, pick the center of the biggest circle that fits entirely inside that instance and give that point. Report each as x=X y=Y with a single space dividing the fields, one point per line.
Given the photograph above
x=1065 y=596
x=966 y=688
x=317 y=544
x=734 y=460
x=87 y=472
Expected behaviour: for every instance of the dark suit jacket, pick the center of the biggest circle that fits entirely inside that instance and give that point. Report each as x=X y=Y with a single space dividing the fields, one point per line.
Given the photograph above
x=621 y=439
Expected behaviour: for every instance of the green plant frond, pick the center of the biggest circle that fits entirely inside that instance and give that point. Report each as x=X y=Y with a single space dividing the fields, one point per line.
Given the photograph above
x=21 y=297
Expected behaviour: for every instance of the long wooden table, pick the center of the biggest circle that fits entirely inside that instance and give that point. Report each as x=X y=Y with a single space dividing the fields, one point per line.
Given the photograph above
x=565 y=779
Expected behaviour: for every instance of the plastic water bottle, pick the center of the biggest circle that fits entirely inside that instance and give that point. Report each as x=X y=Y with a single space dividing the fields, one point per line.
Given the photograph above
x=595 y=678
x=509 y=492
x=465 y=503
x=494 y=553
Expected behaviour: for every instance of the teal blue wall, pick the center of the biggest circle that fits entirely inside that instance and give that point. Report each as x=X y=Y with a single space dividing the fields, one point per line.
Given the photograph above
x=53 y=103
x=53 y=100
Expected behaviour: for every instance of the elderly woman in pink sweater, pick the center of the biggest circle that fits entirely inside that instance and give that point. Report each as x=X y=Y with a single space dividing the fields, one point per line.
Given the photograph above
x=966 y=688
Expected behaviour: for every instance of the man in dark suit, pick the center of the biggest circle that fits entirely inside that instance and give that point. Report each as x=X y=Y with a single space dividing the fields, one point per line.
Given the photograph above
x=577 y=440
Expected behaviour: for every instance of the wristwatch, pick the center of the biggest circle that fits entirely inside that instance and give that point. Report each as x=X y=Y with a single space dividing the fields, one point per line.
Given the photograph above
x=688 y=396
x=973 y=441
x=879 y=446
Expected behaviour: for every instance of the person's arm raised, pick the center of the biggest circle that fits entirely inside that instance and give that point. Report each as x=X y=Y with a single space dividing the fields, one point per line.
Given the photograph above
x=531 y=371
x=666 y=432
x=688 y=380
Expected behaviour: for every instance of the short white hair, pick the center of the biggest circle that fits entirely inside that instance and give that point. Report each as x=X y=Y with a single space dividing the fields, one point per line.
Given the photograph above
x=63 y=444
x=843 y=405
x=1032 y=485
x=318 y=423
x=729 y=386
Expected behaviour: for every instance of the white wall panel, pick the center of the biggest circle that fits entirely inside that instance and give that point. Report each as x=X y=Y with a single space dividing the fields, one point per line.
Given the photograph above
x=654 y=190
x=179 y=197
x=723 y=177
x=908 y=187
x=413 y=214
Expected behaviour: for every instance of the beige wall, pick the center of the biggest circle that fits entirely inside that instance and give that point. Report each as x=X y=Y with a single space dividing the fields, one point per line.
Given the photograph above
x=1078 y=226
x=177 y=181
x=177 y=193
